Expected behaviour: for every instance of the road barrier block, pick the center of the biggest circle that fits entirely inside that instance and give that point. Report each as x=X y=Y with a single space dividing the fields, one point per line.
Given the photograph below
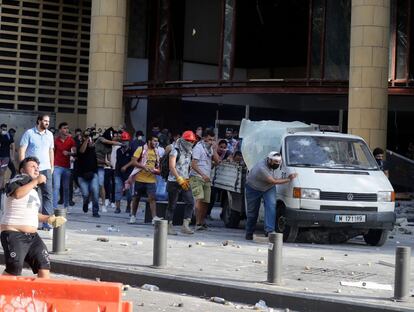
x=37 y=294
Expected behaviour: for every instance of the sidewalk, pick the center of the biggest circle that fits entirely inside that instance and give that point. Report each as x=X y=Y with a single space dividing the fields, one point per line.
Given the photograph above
x=201 y=260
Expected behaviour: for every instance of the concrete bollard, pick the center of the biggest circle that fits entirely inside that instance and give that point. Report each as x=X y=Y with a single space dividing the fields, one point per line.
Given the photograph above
x=59 y=239
x=402 y=273
x=274 y=259
x=160 y=244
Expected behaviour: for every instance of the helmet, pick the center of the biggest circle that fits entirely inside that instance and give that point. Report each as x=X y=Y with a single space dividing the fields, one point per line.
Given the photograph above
x=125 y=136
x=189 y=136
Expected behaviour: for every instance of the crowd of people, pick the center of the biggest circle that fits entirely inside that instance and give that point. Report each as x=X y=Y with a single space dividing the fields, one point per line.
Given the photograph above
x=110 y=167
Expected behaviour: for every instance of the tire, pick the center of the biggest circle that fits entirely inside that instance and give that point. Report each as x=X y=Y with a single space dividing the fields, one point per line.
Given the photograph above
x=230 y=217
x=290 y=232
x=376 y=237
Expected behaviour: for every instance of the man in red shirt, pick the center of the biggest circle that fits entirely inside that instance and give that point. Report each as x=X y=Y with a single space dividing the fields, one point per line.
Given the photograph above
x=65 y=147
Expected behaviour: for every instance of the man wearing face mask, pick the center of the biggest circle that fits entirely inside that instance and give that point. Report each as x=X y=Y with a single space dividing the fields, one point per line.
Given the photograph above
x=261 y=183
x=138 y=141
x=203 y=154
x=379 y=157
x=178 y=181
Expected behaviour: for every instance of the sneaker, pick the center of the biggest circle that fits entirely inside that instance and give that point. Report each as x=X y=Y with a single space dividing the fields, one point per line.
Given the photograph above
x=128 y=210
x=249 y=236
x=132 y=220
x=106 y=202
x=117 y=210
x=90 y=205
x=96 y=215
x=46 y=226
x=171 y=230
x=200 y=227
x=104 y=210
x=113 y=205
x=85 y=207
x=156 y=219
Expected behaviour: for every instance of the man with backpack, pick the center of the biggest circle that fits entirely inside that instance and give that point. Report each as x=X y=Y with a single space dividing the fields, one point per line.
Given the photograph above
x=179 y=161
x=146 y=161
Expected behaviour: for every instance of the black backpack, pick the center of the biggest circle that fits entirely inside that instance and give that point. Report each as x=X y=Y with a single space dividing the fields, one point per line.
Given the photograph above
x=165 y=164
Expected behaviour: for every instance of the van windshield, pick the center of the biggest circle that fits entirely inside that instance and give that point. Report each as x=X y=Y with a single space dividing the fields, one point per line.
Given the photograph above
x=329 y=152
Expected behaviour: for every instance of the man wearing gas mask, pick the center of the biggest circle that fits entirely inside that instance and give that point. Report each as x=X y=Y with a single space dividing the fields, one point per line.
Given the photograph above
x=261 y=183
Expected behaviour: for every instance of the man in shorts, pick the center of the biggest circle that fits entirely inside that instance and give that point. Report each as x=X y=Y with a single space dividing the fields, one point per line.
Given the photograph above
x=20 y=220
x=201 y=164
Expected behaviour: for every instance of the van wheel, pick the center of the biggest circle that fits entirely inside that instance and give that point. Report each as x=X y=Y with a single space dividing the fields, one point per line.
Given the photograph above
x=289 y=232
x=230 y=217
x=376 y=237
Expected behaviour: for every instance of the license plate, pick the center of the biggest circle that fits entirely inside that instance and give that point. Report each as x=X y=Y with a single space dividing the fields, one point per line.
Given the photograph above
x=350 y=218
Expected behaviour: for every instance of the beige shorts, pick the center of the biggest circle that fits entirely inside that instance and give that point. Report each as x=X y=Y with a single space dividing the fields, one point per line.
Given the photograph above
x=201 y=189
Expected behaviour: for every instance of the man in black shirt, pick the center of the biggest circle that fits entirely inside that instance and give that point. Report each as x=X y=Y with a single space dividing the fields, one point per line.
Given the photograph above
x=6 y=145
x=87 y=173
x=123 y=158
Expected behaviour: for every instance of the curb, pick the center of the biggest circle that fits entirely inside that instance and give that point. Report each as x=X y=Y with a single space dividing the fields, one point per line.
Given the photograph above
x=201 y=288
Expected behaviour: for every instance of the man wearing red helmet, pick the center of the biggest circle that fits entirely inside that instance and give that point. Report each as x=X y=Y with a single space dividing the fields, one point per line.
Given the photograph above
x=122 y=171
x=178 y=181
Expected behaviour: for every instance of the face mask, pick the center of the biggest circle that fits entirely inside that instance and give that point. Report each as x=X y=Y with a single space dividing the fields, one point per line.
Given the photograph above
x=125 y=144
x=207 y=145
x=4 y=132
x=379 y=162
x=274 y=166
x=199 y=133
x=140 y=138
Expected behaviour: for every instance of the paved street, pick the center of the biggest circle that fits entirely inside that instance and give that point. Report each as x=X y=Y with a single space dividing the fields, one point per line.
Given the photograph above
x=308 y=269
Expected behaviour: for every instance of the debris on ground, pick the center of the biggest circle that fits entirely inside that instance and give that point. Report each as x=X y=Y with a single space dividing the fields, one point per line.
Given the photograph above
x=138 y=243
x=113 y=228
x=150 y=287
x=219 y=300
x=389 y=264
x=261 y=305
x=125 y=287
x=98 y=225
x=227 y=242
x=177 y=304
x=322 y=258
x=258 y=261
x=402 y=226
x=103 y=239
x=367 y=285
x=124 y=244
x=200 y=243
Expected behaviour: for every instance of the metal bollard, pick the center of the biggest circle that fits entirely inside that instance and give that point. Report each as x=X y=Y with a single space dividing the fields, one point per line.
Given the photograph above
x=274 y=258
x=402 y=273
x=59 y=233
x=160 y=244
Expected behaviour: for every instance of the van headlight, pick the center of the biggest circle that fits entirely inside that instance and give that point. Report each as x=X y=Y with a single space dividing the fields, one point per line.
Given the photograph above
x=386 y=196
x=306 y=193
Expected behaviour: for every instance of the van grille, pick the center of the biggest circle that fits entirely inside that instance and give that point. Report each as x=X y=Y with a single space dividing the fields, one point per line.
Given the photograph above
x=348 y=196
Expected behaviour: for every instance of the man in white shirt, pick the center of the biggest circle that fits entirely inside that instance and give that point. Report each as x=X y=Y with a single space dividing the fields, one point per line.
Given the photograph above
x=19 y=222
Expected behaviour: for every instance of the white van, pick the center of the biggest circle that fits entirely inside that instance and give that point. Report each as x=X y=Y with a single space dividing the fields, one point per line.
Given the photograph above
x=340 y=191
x=339 y=187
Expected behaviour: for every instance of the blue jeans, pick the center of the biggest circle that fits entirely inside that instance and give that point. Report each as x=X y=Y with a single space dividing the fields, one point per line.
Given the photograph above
x=61 y=174
x=119 y=186
x=90 y=187
x=253 y=200
x=47 y=193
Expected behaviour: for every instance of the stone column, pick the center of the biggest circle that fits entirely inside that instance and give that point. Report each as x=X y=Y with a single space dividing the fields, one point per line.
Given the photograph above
x=106 y=63
x=368 y=76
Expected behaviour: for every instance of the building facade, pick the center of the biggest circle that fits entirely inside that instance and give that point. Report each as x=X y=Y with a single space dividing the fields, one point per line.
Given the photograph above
x=183 y=63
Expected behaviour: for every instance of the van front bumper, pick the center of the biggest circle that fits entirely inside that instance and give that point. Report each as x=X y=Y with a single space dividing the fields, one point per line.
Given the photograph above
x=316 y=218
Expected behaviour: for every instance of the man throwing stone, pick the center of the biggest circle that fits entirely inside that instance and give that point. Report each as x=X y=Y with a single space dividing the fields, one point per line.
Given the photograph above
x=19 y=223
x=261 y=183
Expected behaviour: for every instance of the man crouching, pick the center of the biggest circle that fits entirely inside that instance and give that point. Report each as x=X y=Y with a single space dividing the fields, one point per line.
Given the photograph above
x=20 y=220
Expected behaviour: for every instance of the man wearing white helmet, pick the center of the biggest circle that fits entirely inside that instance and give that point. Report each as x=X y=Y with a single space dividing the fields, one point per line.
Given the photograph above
x=261 y=183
